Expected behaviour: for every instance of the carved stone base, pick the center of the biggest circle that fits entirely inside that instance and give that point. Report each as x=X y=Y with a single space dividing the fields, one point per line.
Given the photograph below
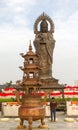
x=50 y=83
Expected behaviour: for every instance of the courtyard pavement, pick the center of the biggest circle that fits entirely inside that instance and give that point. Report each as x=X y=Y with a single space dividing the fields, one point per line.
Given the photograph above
x=12 y=123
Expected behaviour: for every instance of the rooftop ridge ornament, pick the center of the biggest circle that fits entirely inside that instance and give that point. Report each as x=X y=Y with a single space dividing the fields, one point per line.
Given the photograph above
x=42 y=17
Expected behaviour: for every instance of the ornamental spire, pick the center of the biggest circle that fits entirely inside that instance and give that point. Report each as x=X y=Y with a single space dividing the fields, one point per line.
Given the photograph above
x=30 y=47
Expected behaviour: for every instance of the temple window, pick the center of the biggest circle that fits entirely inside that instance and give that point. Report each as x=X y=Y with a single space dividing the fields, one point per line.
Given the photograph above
x=31 y=75
x=30 y=60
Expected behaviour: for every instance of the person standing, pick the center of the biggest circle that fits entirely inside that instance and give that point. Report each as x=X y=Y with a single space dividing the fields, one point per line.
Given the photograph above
x=53 y=106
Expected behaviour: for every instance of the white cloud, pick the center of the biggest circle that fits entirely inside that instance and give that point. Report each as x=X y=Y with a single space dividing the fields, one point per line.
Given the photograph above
x=66 y=49
x=67 y=31
x=15 y=12
x=12 y=43
x=11 y=39
x=22 y=1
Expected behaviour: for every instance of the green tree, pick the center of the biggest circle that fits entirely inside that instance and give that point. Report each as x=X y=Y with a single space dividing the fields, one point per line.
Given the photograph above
x=8 y=84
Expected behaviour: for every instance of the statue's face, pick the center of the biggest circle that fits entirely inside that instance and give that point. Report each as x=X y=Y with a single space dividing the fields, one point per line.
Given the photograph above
x=44 y=26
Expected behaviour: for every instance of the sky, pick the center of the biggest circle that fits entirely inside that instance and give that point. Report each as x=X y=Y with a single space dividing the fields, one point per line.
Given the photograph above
x=17 y=19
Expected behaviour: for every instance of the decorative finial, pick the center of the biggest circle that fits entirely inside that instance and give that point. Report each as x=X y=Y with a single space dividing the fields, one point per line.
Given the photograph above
x=30 y=47
x=43 y=13
x=30 y=41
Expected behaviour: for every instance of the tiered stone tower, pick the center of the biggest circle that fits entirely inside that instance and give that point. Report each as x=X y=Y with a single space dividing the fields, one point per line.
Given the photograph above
x=30 y=81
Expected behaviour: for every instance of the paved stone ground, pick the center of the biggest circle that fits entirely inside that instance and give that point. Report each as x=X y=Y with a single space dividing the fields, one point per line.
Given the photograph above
x=60 y=124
